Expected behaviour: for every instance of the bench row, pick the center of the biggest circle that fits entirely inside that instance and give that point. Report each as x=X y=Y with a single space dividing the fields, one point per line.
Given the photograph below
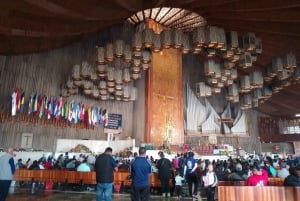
x=67 y=176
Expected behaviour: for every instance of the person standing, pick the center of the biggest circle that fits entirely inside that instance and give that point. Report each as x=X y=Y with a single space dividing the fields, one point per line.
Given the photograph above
x=178 y=184
x=7 y=170
x=210 y=182
x=105 y=166
x=191 y=174
x=140 y=172
x=164 y=167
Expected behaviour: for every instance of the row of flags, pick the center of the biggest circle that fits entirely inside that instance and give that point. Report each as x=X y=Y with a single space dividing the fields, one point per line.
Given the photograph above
x=42 y=106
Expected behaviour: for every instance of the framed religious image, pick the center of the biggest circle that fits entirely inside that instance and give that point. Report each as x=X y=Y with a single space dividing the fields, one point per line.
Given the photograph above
x=26 y=140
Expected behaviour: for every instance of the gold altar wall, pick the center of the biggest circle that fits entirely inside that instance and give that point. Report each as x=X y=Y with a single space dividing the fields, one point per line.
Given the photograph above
x=164 y=115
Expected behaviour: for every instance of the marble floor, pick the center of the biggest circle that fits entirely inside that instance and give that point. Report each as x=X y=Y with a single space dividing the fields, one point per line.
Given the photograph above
x=55 y=195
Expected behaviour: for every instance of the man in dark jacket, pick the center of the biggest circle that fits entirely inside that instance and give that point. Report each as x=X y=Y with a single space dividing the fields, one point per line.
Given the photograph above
x=105 y=166
x=293 y=179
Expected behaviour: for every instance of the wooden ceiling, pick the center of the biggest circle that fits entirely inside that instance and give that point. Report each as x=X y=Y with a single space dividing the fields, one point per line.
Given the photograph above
x=28 y=26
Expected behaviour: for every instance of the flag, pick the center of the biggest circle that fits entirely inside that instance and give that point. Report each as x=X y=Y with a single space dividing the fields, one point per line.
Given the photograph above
x=22 y=102
x=104 y=117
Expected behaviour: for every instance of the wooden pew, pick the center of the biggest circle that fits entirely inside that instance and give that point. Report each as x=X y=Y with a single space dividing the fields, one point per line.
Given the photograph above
x=252 y=193
x=274 y=181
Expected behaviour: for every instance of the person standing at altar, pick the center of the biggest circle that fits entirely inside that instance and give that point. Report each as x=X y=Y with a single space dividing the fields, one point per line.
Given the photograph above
x=7 y=170
x=105 y=166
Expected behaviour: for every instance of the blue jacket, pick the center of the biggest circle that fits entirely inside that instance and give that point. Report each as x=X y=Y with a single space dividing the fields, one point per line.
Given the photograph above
x=140 y=171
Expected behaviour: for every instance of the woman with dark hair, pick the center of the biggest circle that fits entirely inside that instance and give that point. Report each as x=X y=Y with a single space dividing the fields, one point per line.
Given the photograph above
x=164 y=167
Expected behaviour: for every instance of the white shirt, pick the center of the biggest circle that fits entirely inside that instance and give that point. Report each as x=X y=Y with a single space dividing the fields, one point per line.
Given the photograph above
x=210 y=179
x=178 y=180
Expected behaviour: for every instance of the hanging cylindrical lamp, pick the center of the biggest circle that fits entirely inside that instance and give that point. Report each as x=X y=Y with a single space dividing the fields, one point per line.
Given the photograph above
x=110 y=73
x=109 y=52
x=148 y=38
x=277 y=65
x=137 y=55
x=101 y=55
x=256 y=79
x=245 y=84
x=73 y=91
x=233 y=90
x=289 y=61
x=127 y=54
x=101 y=70
x=296 y=74
x=126 y=91
x=228 y=65
x=111 y=97
x=249 y=42
x=212 y=39
x=133 y=94
x=135 y=69
x=283 y=75
x=126 y=75
x=93 y=76
x=257 y=94
x=135 y=76
x=228 y=54
x=245 y=60
x=146 y=66
x=156 y=47
x=95 y=92
x=221 y=38
x=119 y=46
x=258 y=46
x=177 y=38
x=137 y=41
x=224 y=79
x=76 y=72
x=211 y=52
x=232 y=40
x=200 y=89
x=118 y=76
x=111 y=89
x=64 y=92
x=216 y=90
x=209 y=67
x=78 y=83
x=208 y=91
x=87 y=84
x=119 y=79
x=199 y=36
x=146 y=58
x=102 y=84
x=266 y=92
x=220 y=85
x=70 y=84
x=233 y=74
x=119 y=92
x=218 y=71
x=104 y=97
x=186 y=44
x=84 y=69
x=240 y=49
x=166 y=38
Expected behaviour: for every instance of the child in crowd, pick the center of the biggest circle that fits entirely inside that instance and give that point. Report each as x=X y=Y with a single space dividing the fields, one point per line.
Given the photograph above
x=178 y=184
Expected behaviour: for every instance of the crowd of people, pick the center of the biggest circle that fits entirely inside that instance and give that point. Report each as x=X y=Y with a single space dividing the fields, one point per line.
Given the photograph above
x=201 y=176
